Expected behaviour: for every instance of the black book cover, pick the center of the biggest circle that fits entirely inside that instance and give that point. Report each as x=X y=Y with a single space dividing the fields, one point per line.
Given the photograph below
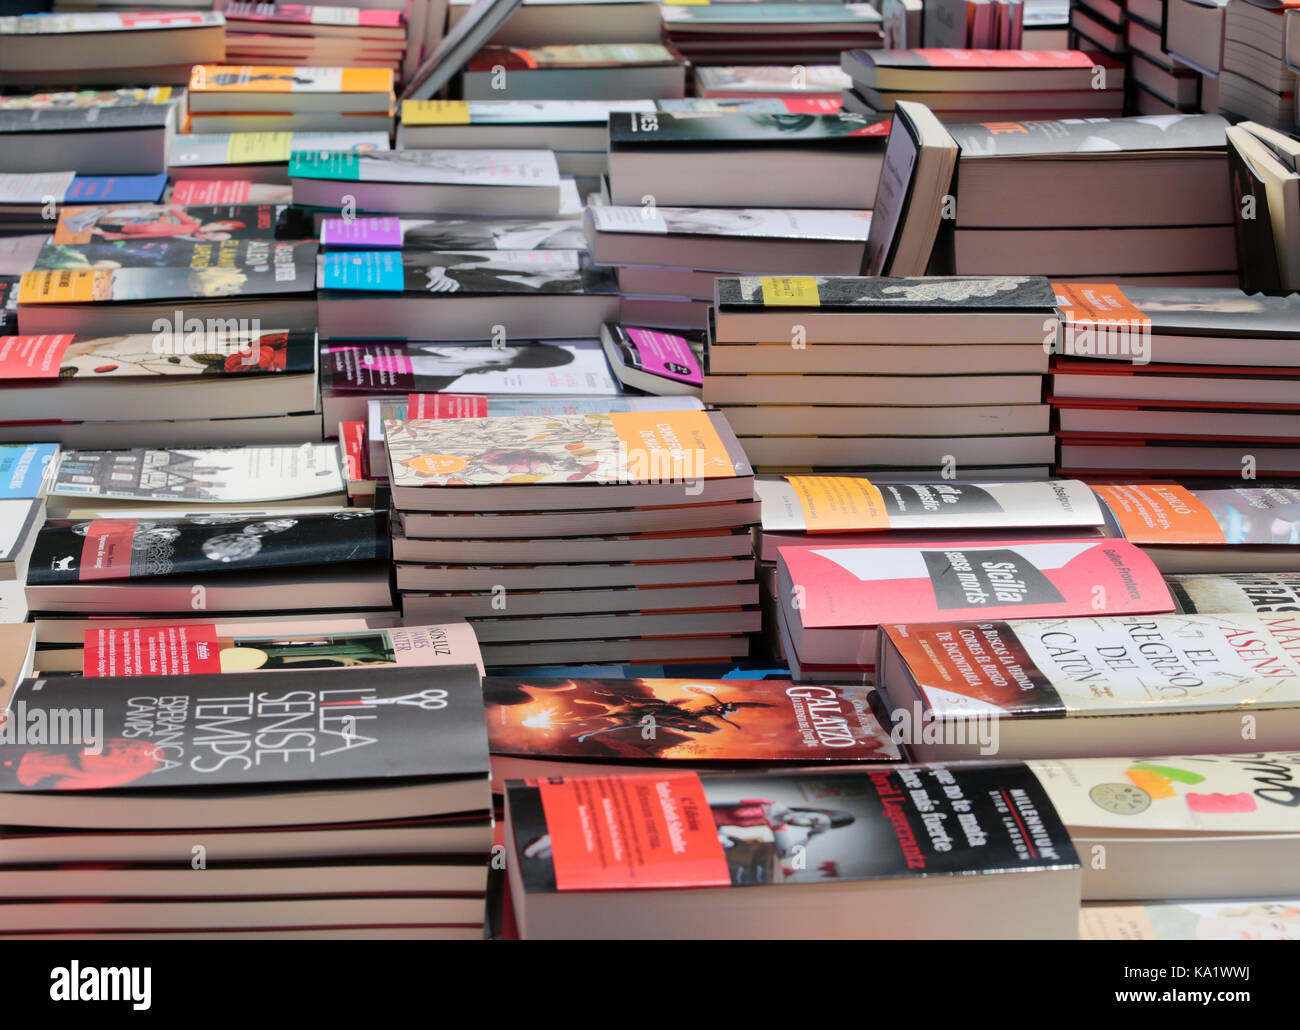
x=630 y=130
x=258 y=730
x=1084 y=136
x=466 y=272
x=8 y=306
x=905 y=294
x=83 y=119
x=886 y=823
x=84 y=550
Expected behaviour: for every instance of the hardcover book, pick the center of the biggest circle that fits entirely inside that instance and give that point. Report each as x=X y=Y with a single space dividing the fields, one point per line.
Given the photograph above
x=895 y=834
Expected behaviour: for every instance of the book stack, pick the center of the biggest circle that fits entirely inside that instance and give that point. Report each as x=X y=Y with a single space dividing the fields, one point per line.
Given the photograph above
x=341 y=804
x=97 y=132
x=1006 y=213
x=567 y=539
x=1159 y=83
x=577 y=130
x=1256 y=82
x=752 y=197
x=1098 y=25
x=1161 y=382
x=607 y=71
x=103 y=48
x=288 y=98
x=978 y=85
x=330 y=37
x=818 y=86
x=548 y=22
x=666 y=258
x=257 y=157
x=974 y=25
x=833 y=600
x=1193 y=34
x=801 y=511
x=838 y=372
x=783 y=33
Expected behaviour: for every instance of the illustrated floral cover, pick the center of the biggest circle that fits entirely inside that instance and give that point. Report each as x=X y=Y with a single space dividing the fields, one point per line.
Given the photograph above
x=1105 y=665
x=695 y=720
x=625 y=446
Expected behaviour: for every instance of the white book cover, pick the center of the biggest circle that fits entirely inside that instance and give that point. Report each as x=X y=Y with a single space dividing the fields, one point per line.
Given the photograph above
x=34 y=187
x=100 y=21
x=237 y=475
x=441 y=167
x=770 y=78
x=515 y=112
x=237 y=148
x=772 y=223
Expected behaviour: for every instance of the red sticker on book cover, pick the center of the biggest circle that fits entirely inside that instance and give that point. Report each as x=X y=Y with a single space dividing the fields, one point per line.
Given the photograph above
x=151 y=651
x=640 y=831
x=446 y=405
x=106 y=553
x=32 y=357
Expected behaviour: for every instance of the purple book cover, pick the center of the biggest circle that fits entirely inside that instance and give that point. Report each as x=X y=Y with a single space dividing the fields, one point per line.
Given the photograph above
x=361 y=233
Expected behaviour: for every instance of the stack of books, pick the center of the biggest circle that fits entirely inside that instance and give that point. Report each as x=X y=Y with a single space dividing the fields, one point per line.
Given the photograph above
x=103 y=48
x=787 y=33
x=97 y=132
x=974 y=25
x=566 y=539
x=30 y=201
x=548 y=22
x=1154 y=381
x=329 y=37
x=1193 y=34
x=1256 y=82
x=344 y=804
x=837 y=372
x=666 y=258
x=1160 y=83
x=577 y=130
x=288 y=98
x=980 y=85
x=608 y=71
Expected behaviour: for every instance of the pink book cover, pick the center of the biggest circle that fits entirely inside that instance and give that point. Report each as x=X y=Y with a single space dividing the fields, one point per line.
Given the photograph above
x=962 y=580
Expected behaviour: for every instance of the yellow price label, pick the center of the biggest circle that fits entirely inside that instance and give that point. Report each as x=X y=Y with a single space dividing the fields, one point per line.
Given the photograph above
x=793 y=291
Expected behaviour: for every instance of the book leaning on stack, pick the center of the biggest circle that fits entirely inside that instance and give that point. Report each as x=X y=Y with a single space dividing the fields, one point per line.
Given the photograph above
x=578 y=538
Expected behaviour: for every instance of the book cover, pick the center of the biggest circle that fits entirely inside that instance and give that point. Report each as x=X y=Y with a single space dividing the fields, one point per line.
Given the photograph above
x=209 y=192
x=24 y=469
x=1201 y=795
x=1170 y=514
x=746 y=129
x=1108 y=665
x=853 y=504
x=581 y=55
x=202 y=150
x=1091 y=135
x=119 y=109
x=867 y=293
x=1211 y=311
x=773 y=78
x=694 y=720
x=1236 y=592
x=655 y=353
x=620 y=447
x=392 y=233
x=120 y=189
x=871 y=584
x=443 y=167
x=305 y=14
x=515 y=112
x=63 y=356
x=798 y=828
x=35 y=189
x=236 y=475
x=558 y=367
x=464 y=272
x=349 y=727
x=190 y=223
x=958 y=59
x=771 y=223
x=221 y=78
x=107 y=21
x=79 y=551
x=186 y=650
x=219 y=269
x=90 y=99
x=720 y=17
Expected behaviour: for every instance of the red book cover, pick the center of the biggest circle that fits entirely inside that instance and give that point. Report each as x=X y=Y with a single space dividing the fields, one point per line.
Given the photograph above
x=876 y=583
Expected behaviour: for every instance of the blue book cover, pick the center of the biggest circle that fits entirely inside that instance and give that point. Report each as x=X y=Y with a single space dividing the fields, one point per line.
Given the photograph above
x=22 y=468
x=117 y=189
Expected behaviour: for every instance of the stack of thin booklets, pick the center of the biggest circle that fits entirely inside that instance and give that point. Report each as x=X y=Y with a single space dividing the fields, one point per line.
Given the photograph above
x=570 y=539
x=839 y=372
x=1155 y=381
x=341 y=804
x=329 y=36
